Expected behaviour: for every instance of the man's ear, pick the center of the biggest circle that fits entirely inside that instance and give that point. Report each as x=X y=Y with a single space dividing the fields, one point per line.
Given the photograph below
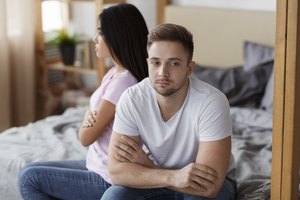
x=191 y=67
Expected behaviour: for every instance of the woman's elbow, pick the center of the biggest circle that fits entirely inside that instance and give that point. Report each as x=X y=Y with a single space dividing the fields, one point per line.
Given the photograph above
x=83 y=139
x=84 y=143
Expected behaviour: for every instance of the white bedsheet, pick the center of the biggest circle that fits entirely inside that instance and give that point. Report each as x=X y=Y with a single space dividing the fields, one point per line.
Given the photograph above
x=55 y=138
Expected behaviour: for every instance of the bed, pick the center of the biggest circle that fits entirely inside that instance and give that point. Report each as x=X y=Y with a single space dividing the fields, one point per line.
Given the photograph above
x=234 y=52
x=53 y=138
x=239 y=61
x=249 y=91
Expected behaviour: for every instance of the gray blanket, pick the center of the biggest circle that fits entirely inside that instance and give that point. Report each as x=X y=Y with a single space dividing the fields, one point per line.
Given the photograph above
x=252 y=145
x=55 y=138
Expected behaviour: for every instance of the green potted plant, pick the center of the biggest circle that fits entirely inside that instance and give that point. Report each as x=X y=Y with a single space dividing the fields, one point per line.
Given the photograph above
x=67 y=46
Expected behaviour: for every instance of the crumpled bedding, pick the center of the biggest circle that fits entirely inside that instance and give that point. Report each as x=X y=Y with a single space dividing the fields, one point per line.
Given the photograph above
x=252 y=150
x=55 y=138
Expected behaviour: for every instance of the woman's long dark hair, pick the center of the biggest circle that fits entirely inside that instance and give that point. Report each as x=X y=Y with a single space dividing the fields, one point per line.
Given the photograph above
x=124 y=30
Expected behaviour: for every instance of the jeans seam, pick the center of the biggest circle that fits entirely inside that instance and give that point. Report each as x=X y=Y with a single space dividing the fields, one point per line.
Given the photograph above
x=23 y=190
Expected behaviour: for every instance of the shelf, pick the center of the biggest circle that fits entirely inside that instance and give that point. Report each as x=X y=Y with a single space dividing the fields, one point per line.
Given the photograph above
x=72 y=69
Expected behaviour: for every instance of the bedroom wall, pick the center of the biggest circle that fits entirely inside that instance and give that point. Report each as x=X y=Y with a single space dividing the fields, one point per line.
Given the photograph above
x=83 y=12
x=148 y=9
x=268 y=5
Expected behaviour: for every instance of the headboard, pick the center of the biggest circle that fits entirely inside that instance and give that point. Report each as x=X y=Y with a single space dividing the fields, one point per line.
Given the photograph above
x=219 y=33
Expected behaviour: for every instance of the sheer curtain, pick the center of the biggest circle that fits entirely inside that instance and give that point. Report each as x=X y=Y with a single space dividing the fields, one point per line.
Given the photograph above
x=17 y=58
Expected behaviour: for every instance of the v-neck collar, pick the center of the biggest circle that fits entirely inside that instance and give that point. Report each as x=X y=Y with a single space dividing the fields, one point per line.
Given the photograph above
x=177 y=113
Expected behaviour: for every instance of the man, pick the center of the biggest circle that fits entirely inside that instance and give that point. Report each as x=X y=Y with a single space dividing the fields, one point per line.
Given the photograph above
x=184 y=123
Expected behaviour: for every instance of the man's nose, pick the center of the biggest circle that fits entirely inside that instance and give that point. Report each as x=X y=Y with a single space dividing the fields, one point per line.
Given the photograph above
x=163 y=70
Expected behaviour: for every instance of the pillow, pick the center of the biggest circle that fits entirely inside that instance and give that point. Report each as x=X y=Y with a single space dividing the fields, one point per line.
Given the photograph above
x=267 y=99
x=256 y=54
x=242 y=88
x=250 y=85
x=221 y=78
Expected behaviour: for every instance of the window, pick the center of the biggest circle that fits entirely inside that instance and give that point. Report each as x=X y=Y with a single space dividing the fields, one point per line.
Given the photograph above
x=52 y=16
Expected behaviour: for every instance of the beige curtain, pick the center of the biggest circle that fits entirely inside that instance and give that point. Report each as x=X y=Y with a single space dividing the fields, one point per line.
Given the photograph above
x=17 y=70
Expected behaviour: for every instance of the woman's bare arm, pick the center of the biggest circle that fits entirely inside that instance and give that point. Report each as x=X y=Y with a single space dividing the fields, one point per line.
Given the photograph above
x=94 y=126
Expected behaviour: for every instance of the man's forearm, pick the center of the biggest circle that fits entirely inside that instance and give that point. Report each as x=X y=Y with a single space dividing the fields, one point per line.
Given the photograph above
x=138 y=176
x=190 y=191
x=130 y=166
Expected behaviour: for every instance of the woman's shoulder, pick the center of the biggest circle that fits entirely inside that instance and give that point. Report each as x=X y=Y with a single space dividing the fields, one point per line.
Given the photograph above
x=125 y=78
x=110 y=71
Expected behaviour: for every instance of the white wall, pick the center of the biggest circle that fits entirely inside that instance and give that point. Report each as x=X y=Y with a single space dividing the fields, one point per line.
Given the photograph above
x=232 y=4
x=85 y=20
x=84 y=16
x=148 y=10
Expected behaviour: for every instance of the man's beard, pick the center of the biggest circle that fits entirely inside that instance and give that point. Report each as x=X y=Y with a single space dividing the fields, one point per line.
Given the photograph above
x=166 y=92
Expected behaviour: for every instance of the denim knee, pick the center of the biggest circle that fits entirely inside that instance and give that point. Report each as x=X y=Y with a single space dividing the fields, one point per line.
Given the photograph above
x=114 y=192
x=27 y=176
x=25 y=173
x=23 y=177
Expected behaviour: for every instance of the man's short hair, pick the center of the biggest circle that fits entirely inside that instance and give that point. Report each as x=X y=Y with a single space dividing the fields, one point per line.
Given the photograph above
x=175 y=33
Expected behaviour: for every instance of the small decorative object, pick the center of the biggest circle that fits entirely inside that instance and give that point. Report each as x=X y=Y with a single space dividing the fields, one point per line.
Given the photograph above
x=67 y=46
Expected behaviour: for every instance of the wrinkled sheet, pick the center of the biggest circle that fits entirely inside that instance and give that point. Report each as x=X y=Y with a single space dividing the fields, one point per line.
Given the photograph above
x=55 y=138
x=252 y=149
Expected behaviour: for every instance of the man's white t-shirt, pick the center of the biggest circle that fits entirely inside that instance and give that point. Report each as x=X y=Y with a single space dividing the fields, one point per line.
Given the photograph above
x=204 y=116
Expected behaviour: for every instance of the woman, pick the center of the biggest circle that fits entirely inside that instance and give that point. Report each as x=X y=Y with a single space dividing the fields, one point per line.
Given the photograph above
x=122 y=36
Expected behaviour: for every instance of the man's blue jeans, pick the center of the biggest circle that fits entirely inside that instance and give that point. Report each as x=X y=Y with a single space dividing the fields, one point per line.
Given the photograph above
x=60 y=180
x=116 y=192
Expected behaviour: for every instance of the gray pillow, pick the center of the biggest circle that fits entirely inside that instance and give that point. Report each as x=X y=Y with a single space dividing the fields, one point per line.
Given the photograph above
x=250 y=85
x=221 y=78
x=267 y=100
x=242 y=88
x=255 y=54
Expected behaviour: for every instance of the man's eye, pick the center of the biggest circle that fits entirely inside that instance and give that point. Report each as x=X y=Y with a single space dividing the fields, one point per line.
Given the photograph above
x=154 y=62
x=174 y=63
